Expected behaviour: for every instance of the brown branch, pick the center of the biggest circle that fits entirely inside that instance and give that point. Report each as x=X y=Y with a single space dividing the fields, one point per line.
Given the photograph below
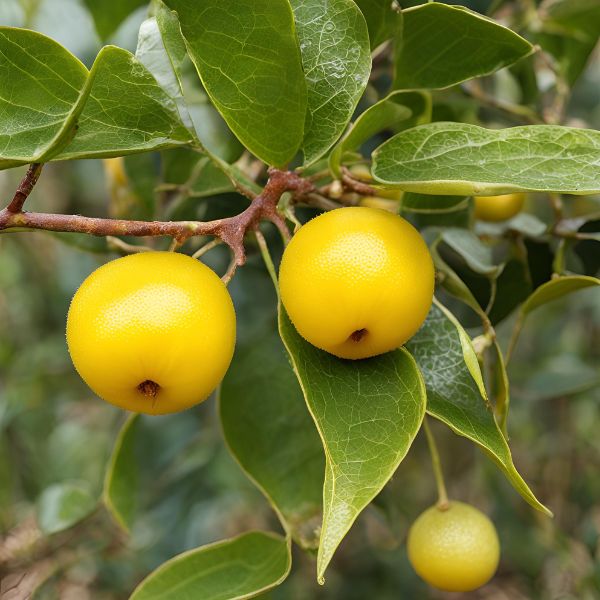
x=27 y=184
x=231 y=230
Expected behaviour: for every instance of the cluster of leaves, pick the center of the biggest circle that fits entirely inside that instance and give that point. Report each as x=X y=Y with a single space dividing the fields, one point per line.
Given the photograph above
x=283 y=79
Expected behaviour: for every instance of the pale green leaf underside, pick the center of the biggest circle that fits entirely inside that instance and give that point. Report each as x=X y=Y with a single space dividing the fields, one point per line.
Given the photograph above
x=240 y=567
x=270 y=433
x=473 y=251
x=334 y=44
x=120 y=489
x=444 y=45
x=454 y=397
x=38 y=97
x=554 y=289
x=247 y=56
x=462 y=159
x=367 y=413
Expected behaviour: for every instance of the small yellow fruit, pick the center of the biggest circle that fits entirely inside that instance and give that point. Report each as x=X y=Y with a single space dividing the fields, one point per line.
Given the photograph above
x=382 y=203
x=498 y=208
x=390 y=193
x=455 y=549
x=152 y=332
x=357 y=281
x=361 y=171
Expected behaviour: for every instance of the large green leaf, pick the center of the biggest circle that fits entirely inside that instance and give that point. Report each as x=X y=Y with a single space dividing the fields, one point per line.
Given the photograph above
x=240 y=567
x=462 y=159
x=334 y=43
x=397 y=111
x=443 y=45
x=63 y=505
x=247 y=56
x=384 y=20
x=126 y=111
x=270 y=432
x=456 y=394
x=108 y=14
x=367 y=413
x=39 y=99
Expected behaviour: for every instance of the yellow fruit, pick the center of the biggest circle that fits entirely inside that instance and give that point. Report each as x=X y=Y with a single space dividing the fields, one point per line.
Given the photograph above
x=456 y=549
x=357 y=281
x=391 y=194
x=498 y=208
x=382 y=203
x=361 y=171
x=152 y=332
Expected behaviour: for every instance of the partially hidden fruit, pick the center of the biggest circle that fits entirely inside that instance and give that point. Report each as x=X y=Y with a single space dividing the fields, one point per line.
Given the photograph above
x=498 y=208
x=152 y=332
x=357 y=281
x=454 y=549
x=382 y=203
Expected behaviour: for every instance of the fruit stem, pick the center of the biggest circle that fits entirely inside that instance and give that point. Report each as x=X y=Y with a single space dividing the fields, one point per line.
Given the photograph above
x=442 y=502
x=266 y=256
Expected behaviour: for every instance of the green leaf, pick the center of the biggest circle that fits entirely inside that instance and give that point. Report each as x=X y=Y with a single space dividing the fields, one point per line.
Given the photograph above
x=454 y=384
x=556 y=288
x=126 y=111
x=240 y=567
x=398 y=110
x=108 y=15
x=39 y=99
x=444 y=45
x=63 y=505
x=120 y=483
x=248 y=58
x=462 y=159
x=334 y=43
x=427 y=204
x=384 y=20
x=473 y=251
x=270 y=433
x=367 y=413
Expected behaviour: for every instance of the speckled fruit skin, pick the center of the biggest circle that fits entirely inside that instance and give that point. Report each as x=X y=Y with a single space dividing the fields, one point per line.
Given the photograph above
x=498 y=208
x=357 y=281
x=156 y=316
x=456 y=550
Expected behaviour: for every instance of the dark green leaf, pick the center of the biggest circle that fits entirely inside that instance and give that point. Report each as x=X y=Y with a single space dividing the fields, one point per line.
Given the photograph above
x=473 y=251
x=241 y=567
x=63 y=505
x=462 y=159
x=334 y=43
x=456 y=393
x=270 y=432
x=120 y=483
x=367 y=413
x=248 y=59
x=40 y=99
x=444 y=45
x=108 y=14
x=556 y=288
x=384 y=20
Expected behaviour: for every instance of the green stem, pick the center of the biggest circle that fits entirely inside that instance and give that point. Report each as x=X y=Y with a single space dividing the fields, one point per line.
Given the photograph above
x=266 y=256
x=443 y=501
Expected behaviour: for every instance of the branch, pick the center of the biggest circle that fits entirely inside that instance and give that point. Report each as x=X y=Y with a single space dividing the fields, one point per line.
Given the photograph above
x=27 y=184
x=230 y=230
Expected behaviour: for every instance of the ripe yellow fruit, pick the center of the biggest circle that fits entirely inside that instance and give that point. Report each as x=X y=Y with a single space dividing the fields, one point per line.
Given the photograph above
x=456 y=549
x=152 y=332
x=357 y=281
x=498 y=208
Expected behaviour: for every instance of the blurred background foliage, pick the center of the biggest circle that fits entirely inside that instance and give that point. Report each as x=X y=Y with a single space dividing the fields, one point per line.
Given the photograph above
x=56 y=437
